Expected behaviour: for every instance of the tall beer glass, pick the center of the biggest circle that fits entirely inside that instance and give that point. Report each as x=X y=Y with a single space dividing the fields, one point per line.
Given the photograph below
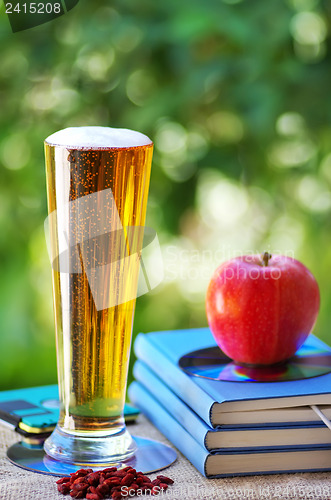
x=97 y=187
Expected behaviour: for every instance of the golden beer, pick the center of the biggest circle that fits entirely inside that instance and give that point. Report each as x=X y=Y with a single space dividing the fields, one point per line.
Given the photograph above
x=97 y=196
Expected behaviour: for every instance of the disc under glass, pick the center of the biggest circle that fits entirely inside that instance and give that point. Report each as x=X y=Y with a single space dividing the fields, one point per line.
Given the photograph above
x=150 y=456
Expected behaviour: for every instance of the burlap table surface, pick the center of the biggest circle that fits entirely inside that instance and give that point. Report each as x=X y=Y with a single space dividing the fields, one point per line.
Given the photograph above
x=17 y=483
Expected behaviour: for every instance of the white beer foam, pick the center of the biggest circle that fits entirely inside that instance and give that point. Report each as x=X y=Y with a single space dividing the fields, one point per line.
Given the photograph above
x=97 y=137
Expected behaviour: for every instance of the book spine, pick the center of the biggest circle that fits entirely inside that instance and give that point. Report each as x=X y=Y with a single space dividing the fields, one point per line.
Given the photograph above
x=201 y=459
x=172 y=430
x=175 y=378
x=175 y=406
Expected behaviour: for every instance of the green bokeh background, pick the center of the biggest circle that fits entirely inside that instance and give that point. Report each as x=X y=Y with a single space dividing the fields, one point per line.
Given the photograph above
x=235 y=95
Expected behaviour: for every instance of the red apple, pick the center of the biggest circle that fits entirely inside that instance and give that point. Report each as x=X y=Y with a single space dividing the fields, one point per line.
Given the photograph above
x=261 y=308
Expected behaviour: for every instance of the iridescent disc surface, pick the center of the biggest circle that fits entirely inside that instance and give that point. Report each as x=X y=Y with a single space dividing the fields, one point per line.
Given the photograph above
x=212 y=363
x=150 y=456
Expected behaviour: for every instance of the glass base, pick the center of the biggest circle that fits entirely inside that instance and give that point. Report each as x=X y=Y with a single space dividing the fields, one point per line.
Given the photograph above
x=150 y=456
x=89 y=450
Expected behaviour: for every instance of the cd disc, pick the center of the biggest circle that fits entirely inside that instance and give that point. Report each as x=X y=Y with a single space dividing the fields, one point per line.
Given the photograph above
x=212 y=363
x=150 y=456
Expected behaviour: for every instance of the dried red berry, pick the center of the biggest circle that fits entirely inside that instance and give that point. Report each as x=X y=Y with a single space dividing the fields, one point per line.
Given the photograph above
x=117 y=495
x=126 y=469
x=93 y=496
x=63 y=480
x=80 y=487
x=79 y=480
x=102 y=477
x=109 y=469
x=165 y=479
x=113 y=481
x=164 y=486
x=145 y=478
x=116 y=489
x=102 y=489
x=77 y=494
x=93 y=478
x=75 y=475
x=156 y=482
x=127 y=480
x=64 y=488
x=119 y=473
x=130 y=492
x=92 y=489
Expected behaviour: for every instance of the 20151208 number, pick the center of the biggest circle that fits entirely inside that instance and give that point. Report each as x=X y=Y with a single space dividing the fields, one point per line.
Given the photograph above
x=33 y=8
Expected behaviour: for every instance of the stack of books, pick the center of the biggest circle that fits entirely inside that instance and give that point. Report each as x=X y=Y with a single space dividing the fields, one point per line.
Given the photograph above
x=231 y=428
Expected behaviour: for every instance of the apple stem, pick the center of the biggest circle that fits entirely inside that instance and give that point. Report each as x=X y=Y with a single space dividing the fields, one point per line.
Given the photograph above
x=265 y=258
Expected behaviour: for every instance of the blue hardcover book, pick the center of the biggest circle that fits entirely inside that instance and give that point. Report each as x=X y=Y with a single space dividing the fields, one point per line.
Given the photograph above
x=161 y=351
x=228 y=463
x=227 y=437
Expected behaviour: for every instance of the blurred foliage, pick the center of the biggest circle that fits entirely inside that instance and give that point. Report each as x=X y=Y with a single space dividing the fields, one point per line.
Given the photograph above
x=235 y=95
